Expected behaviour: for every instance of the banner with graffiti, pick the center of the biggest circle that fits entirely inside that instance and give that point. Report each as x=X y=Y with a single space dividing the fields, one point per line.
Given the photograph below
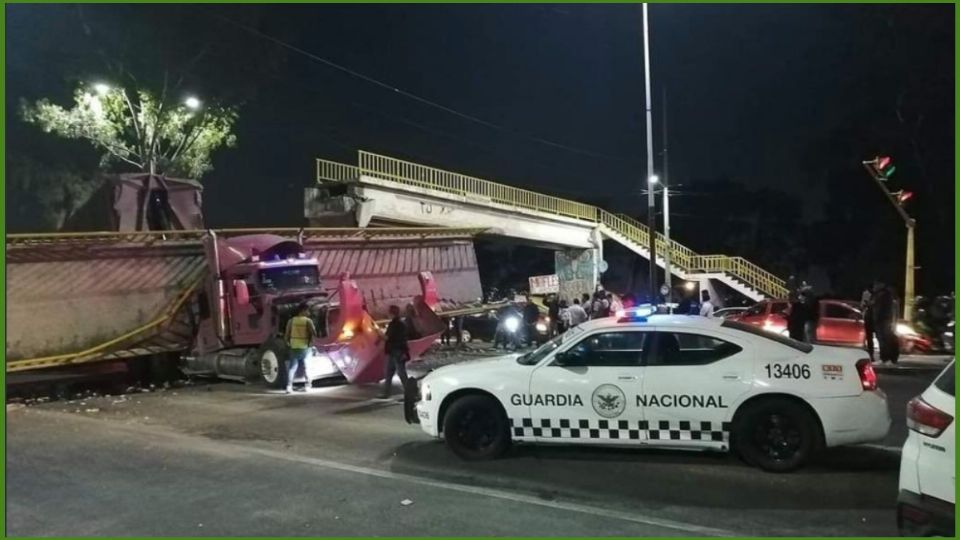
x=575 y=272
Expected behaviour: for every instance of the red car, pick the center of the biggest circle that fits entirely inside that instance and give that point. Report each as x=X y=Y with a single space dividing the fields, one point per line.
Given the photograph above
x=841 y=323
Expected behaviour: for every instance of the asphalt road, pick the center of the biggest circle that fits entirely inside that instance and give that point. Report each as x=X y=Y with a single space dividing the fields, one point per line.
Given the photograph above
x=225 y=459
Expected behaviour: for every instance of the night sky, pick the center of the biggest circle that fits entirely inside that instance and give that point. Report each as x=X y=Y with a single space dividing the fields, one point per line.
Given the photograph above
x=775 y=99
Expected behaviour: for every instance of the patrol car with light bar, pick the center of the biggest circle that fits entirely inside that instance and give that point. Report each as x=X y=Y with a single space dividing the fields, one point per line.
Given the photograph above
x=668 y=381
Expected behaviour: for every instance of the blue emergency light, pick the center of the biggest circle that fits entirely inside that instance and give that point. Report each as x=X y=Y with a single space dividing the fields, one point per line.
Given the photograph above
x=636 y=314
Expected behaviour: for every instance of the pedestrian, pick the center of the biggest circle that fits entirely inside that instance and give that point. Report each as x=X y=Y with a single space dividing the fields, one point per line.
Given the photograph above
x=564 y=323
x=883 y=320
x=445 y=336
x=576 y=313
x=397 y=352
x=531 y=314
x=299 y=334
x=553 y=312
x=616 y=306
x=706 y=307
x=811 y=313
x=869 y=330
x=410 y=322
x=458 y=331
x=796 y=316
x=585 y=303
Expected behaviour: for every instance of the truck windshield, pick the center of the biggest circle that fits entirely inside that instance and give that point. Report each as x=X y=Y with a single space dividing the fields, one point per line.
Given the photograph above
x=289 y=277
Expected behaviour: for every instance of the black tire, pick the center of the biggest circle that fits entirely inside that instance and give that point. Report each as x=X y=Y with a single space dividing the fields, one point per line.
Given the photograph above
x=271 y=364
x=776 y=435
x=476 y=428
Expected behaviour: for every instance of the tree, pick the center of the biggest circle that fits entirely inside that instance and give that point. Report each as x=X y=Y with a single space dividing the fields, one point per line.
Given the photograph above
x=139 y=131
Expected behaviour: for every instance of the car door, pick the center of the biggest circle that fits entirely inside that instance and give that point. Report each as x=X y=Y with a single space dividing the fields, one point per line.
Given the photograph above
x=691 y=380
x=840 y=323
x=587 y=392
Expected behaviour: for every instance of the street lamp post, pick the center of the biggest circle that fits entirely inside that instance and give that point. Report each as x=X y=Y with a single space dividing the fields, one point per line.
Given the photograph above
x=668 y=278
x=651 y=204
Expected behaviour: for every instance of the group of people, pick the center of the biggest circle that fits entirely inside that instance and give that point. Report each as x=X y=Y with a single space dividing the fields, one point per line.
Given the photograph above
x=564 y=315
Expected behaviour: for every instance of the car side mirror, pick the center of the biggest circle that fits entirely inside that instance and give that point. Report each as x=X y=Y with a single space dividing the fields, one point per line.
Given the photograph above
x=240 y=292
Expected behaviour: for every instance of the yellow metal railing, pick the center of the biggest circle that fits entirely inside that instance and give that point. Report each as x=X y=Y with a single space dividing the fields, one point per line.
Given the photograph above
x=336 y=172
x=413 y=174
x=470 y=188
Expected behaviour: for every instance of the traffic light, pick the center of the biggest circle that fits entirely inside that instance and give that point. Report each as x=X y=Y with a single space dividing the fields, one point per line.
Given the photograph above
x=884 y=167
x=902 y=196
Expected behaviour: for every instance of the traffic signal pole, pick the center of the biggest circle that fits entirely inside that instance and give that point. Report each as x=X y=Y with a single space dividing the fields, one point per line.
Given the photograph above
x=876 y=169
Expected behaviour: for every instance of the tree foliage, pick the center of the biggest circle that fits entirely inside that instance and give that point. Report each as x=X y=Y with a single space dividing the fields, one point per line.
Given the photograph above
x=137 y=130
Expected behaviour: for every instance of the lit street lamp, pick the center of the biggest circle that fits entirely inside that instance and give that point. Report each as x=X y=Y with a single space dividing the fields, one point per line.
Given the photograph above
x=101 y=88
x=192 y=103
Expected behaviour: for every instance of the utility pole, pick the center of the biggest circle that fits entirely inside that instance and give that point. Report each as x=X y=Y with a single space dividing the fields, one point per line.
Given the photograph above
x=881 y=169
x=651 y=204
x=668 y=278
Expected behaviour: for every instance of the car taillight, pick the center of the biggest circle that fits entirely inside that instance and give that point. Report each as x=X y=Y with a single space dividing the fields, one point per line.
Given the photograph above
x=868 y=377
x=926 y=419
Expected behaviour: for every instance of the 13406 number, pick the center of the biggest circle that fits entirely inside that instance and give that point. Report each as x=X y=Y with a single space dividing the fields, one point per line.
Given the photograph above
x=788 y=371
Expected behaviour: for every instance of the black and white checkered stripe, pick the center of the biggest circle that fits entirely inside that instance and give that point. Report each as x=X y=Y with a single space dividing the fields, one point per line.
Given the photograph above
x=641 y=430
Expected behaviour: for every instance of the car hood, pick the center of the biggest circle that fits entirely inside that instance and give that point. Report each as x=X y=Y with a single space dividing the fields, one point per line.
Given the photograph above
x=486 y=365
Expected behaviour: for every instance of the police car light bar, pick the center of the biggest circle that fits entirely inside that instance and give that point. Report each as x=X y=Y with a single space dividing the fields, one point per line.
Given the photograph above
x=637 y=314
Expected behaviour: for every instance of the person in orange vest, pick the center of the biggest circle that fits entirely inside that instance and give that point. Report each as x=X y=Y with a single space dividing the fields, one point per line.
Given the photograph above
x=299 y=335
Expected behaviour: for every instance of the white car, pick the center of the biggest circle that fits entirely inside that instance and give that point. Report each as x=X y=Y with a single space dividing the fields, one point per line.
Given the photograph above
x=925 y=504
x=671 y=381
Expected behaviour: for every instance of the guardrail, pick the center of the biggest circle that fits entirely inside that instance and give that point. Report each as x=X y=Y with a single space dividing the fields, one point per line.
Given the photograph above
x=471 y=188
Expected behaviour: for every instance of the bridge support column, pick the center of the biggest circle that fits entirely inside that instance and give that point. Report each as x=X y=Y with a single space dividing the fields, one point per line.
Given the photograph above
x=578 y=270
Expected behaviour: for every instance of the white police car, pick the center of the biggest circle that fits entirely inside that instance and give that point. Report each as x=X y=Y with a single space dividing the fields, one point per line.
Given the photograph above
x=669 y=381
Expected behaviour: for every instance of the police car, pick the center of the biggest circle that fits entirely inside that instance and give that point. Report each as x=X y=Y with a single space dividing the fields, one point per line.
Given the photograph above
x=671 y=381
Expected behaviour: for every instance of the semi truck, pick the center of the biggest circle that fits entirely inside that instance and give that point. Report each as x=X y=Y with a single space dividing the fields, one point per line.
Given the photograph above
x=216 y=302
x=254 y=286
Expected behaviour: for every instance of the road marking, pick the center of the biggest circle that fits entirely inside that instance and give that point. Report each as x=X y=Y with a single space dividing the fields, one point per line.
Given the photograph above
x=494 y=493
x=168 y=436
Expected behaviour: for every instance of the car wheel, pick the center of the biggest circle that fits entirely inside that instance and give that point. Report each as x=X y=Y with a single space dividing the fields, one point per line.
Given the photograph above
x=776 y=435
x=475 y=428
x=465 y=336
x=271 y=365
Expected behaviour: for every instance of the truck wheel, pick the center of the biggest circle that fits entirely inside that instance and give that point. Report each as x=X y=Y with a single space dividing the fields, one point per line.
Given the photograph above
x=272 y=365
x=476 y=428
x=776 y=435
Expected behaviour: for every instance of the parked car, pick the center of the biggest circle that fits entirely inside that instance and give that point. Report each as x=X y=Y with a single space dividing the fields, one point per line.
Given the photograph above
x=927 y=496
x=728 y=312
x=841 y=323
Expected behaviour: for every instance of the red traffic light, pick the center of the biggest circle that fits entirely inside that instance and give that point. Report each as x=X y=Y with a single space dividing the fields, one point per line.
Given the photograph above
x=884 y=166
x=902 y=196
x=882 y=162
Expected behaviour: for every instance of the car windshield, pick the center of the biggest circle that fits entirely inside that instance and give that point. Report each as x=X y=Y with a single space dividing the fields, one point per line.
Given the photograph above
x=534 y=357
x=757 y=331
x=289 y=277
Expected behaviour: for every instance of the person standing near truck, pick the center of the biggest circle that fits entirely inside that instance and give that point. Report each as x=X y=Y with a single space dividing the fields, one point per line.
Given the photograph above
x=299 y=335
x=397 y=352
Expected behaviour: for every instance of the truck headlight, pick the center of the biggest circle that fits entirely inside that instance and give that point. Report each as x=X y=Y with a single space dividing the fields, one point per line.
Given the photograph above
x=511 y=324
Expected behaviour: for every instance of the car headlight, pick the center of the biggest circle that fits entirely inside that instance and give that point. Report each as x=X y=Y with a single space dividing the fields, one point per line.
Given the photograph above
x=511 y=324
x=541 y=327
x=425 y=391
x=905 y=330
